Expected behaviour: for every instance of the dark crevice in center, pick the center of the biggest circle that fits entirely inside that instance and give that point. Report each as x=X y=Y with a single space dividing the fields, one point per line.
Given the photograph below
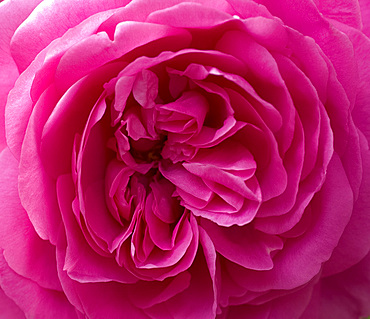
x=147 y=151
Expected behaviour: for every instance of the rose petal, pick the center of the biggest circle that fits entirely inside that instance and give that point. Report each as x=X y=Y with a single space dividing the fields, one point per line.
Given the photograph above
x=351 y=291
x=8 y=308
x=334 y=200
x=34 y=300
x=27 y=43
x=305 y=18
x=72 y=110
x=281 y=307
x=147 y=294
x=81 y=262
x=36 y=188
x=201 y=288
x=12 y=14
x=365 y=13
x=347 y=12
x=244 y=246
x=355 y=241
x=24 y=251
x=199 y=16
x=97 y=299
x=99 y=49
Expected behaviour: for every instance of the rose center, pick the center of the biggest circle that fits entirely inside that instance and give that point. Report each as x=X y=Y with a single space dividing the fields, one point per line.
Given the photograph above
x=147 y=151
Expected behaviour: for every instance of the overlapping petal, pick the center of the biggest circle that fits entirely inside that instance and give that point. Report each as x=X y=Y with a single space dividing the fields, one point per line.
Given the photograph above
x=169 y=151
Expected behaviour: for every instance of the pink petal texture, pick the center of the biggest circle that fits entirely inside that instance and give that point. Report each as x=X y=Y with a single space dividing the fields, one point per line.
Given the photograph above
x=365 y=12
x=11 y=16
x=31 y=27
x=34 y=300
x=8 y=308
x=184 y=159
x=352 y=304
x=18 y=235
x=347 y=12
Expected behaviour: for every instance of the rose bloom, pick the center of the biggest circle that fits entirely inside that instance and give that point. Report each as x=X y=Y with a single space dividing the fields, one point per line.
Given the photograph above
x=185 y=159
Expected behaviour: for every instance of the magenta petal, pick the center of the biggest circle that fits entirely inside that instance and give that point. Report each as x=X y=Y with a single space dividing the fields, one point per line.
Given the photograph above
x=98 y=218
x=123 y=88
x=293 y=162
x=81 y=262
x=210 y=255
x=41 y=21
x=190 y=104
x=271 y=33
x=209 y=137
x=186 y=181
x=365 y=13
x=306 y=18
x=351 y=291
x=117 y=192
x=345 y=11
x=45 y=75
x=19 y=107
x=8 y=308
x=200 y=289
x=97 y=300
x=183 y=236
x=159 y=231
x=306 y=103
x=36 y=188
x=355 y=241
x=34 y=300
x=12 y=15
x=99 y=49
x=243 y=245
x=177 y=85
x=147 y=294
x=353 y=286
x=145 y=88
x=198 y=16
x=361 y=46
x=246 y=9
x=229 y=155
x=166 y=204
x=24 y=251
x=234 y=183
x=72 y=110
x=291 y=305
x=134 y=125
x=335 y=199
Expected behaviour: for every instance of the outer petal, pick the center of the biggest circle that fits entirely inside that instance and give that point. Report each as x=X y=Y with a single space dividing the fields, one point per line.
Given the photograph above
x=352 y=291
x=40 y=28
x=355 y=241
x=345 y=11
x=291 y=306
x=352 y=294
x=198 y=16
x=361 y=112
x=36 y=302
x=8 y=309
x=97 y=300
x=199 y=297
x=304 y=17
x=24 y=251
x=81 y=262
x=316 y=246
x=12 y=14
x=139 y=10
x=365 y=12
x=98 y=49
x=36 y=189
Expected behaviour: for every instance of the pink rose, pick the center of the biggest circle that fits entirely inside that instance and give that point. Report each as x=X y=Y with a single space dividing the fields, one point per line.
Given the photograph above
x=185 y=159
